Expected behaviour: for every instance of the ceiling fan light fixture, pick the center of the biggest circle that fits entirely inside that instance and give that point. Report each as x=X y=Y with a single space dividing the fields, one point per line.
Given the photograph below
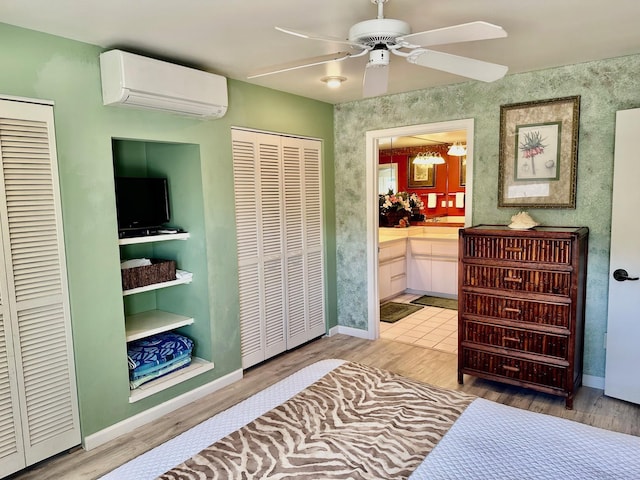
x=382 y=36
x=333 y=81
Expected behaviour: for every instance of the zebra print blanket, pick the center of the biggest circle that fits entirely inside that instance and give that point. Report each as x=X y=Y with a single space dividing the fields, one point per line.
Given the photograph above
x=356 y=422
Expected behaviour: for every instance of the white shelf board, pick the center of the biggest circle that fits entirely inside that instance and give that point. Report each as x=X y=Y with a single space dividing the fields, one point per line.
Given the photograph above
x=197 y=366
x=154 y=238
x=156 y=286
x=149 y=323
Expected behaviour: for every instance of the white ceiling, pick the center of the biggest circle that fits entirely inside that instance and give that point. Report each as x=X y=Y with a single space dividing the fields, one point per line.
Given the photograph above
x=237 y=37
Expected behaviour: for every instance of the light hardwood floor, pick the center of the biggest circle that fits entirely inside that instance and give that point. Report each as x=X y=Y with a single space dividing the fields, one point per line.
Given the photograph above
x=432 y=366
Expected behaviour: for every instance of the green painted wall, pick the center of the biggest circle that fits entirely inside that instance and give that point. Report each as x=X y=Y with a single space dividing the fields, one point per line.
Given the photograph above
x=37 y=65
x=604 y=86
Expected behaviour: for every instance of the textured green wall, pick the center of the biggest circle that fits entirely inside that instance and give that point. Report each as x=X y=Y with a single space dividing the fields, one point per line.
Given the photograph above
x=37 y=65
x=604 y=87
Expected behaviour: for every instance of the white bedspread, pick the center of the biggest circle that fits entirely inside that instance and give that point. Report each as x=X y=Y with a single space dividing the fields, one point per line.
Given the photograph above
x=175 y=451
x=494 y=441
x=489 y=441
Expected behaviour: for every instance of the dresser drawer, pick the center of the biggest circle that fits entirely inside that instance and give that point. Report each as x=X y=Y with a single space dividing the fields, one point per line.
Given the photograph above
x=516 y=338
x=517 y=279
x=515 y=368
x=538 y=250
x=528 y=311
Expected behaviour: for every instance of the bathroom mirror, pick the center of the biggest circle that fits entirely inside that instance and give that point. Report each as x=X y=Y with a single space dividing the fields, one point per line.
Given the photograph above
x=441 y=187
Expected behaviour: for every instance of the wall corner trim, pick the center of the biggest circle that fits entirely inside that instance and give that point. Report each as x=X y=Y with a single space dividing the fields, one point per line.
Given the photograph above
x=353 y=332
x=125 y=426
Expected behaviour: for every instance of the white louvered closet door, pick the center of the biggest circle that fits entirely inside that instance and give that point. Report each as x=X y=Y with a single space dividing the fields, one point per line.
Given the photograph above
x=279 y=229
x=314 y=266
x=11 y=444
x=257 y=178
x=35 y=295
x=303 y=239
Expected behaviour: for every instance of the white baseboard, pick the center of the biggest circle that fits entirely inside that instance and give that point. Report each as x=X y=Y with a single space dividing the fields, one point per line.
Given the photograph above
x=353 y=332
x=593 y=382
x=125 y=426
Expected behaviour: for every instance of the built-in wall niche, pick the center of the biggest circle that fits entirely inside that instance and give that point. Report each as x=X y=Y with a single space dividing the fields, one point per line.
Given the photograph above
x=189 y=301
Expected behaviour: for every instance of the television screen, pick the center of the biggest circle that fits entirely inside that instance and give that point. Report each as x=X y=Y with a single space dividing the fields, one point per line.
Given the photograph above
x=141 y=202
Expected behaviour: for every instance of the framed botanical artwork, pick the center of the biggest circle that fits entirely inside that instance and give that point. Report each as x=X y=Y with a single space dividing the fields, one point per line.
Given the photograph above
x=420 y=175
x=539 y=153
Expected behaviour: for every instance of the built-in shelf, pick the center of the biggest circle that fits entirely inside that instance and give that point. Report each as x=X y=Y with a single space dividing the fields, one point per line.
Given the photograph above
x=156 y=286
x=154 y=238
x=151 y=322
x=196 y=367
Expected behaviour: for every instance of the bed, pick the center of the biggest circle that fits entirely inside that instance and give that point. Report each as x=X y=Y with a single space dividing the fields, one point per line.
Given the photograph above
x=344 y=420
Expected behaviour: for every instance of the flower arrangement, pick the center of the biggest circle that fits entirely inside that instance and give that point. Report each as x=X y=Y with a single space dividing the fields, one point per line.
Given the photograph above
x=400 y=201
x=394 y=202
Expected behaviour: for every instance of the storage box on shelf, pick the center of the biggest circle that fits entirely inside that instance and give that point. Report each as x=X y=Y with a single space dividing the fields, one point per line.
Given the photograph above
x=159 y=271
x=521 y=306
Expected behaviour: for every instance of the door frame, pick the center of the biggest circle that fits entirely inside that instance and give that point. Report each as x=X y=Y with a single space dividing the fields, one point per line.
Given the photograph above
x=371 y=200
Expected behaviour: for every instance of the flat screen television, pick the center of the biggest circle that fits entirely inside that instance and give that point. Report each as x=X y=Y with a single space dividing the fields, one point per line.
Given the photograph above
x=142 y=203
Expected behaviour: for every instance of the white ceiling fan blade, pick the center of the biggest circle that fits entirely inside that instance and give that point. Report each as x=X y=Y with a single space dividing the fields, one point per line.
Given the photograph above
x=465 y=32
x=463 y=66
x=307 y=62
x=313 y=36
x=375 y=81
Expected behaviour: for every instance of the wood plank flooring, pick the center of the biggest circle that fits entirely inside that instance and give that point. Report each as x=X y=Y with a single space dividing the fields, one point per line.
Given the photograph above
x=438 y=368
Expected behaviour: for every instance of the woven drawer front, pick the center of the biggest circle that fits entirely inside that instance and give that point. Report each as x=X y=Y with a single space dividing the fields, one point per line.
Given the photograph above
x=517 y=339
x=557 y=283
x=540 y=250
x=515 y=368
x=556 y=314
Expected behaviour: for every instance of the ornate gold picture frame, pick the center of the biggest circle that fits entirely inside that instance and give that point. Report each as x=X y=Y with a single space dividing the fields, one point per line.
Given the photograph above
x=539 y=153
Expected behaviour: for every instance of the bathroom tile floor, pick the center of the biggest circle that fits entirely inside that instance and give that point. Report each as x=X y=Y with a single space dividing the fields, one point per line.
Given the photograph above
x=430 y=327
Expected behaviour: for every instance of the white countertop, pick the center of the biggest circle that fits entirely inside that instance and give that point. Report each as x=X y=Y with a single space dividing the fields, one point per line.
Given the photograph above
x=386 y=235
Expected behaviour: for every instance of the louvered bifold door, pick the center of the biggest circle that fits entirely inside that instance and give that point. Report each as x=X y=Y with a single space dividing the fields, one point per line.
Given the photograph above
x=36 y=280
x=303 y=240
x=314 y=267
x=11 y=445
x=272 y=250
x=294 y=241
x=256 y=173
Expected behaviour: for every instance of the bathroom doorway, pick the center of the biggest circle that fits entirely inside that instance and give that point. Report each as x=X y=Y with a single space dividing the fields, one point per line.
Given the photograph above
x=374 y=140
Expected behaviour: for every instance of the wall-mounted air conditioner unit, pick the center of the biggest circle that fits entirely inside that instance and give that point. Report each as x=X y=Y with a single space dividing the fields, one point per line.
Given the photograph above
x=141 y=82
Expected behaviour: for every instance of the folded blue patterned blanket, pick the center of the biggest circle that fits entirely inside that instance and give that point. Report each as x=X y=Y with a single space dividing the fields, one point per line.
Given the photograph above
x=150 y=354
x=163 y=369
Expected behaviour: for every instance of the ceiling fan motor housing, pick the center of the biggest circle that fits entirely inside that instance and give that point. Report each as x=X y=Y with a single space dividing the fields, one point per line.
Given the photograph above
x=378 y=57
x=378 y=31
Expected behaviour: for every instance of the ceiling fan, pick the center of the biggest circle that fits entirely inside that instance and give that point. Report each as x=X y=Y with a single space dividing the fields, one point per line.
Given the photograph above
x=381 y=36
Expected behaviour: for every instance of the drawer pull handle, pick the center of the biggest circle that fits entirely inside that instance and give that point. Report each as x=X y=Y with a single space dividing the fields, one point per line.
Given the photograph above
x=511 y=369
x=511 y=339
x=514 y=249
x=513 y=310
x=513 y=279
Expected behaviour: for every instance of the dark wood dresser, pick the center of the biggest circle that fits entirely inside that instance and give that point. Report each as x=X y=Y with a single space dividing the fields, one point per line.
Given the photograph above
x=521 y=296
